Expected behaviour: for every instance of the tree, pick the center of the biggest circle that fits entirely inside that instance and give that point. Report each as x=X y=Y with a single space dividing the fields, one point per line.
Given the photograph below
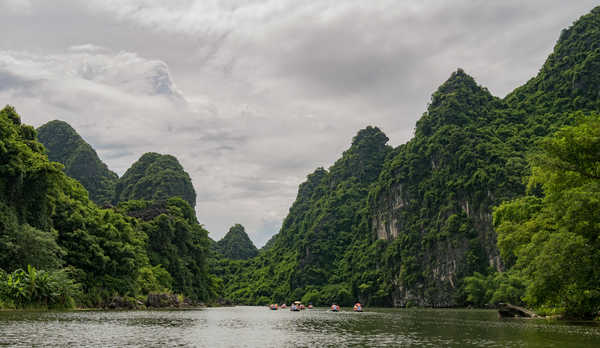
x=555 y=240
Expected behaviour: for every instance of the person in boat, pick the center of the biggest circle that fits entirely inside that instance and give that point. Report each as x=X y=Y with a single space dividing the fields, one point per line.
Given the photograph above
x=335 y=308
x=357 y=307
x=283 y=305
x=294 y=308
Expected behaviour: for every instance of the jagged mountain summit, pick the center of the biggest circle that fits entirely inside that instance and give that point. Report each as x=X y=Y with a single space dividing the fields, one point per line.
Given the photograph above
x=80 y=160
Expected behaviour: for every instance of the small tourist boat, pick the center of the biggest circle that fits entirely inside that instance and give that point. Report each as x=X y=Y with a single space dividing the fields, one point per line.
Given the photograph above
x=296 y=306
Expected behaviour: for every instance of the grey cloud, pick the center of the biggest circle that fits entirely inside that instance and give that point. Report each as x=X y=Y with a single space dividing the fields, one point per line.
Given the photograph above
x=9 y=80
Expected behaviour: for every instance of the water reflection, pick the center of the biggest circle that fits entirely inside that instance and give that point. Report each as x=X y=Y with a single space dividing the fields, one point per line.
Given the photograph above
x=261 y=327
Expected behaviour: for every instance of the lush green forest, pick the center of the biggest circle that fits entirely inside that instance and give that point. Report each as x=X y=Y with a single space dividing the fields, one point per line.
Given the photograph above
x=58 y=248
x=493 y=200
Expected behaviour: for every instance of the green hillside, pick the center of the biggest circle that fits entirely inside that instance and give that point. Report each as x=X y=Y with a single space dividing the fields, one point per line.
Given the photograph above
x=155 y=177
x=81 y=162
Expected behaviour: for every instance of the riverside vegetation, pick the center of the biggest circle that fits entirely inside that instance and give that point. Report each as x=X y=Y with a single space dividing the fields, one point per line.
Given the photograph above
x=492 y=200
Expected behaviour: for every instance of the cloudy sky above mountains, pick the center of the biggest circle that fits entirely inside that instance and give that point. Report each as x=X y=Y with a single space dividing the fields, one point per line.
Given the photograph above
x=251 y=96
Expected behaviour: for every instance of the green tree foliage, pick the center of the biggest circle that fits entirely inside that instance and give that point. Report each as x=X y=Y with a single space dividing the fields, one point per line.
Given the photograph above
x=554 y=241
x=48 y=221
x=494 y=288
x=176 y=242
x=236 y=244
x=155 y=177
x=81 y=162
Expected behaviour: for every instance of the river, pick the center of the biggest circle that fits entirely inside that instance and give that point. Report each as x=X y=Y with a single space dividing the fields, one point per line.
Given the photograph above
x=261 y=327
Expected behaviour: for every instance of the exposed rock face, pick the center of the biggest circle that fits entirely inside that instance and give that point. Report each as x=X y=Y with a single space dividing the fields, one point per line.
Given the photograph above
x=387 y=226
x=162 y=300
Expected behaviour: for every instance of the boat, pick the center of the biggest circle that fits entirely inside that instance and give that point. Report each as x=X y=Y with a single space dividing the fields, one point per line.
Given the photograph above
x=296 y=306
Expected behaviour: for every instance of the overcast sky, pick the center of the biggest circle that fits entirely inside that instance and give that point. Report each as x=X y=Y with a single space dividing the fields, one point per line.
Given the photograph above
x=251 y=96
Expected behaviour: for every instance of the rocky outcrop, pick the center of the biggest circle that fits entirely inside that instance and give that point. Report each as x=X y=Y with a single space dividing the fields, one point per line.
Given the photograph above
x=385 y=222
x=162 y=300
x=118 y=302
x=506 y=310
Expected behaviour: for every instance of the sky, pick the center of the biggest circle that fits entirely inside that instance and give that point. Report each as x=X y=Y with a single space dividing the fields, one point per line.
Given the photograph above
x=252 y=96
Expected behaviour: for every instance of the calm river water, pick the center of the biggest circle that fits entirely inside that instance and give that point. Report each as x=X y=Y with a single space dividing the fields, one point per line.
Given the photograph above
x=261 y=327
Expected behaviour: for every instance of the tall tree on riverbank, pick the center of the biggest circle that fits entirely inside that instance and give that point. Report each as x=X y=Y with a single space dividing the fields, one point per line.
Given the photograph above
x=554 y=240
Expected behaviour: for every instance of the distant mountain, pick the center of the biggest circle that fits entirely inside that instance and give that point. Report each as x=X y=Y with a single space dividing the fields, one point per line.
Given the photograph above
x=236 y=244
x=81 y=161
x=155 y=177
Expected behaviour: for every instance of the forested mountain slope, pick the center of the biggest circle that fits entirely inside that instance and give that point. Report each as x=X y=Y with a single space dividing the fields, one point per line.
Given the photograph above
x=81 y=162
x=155 y=177
x=405 y=226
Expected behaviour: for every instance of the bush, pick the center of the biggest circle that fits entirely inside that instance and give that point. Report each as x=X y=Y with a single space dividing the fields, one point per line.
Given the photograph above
x=37 y=288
